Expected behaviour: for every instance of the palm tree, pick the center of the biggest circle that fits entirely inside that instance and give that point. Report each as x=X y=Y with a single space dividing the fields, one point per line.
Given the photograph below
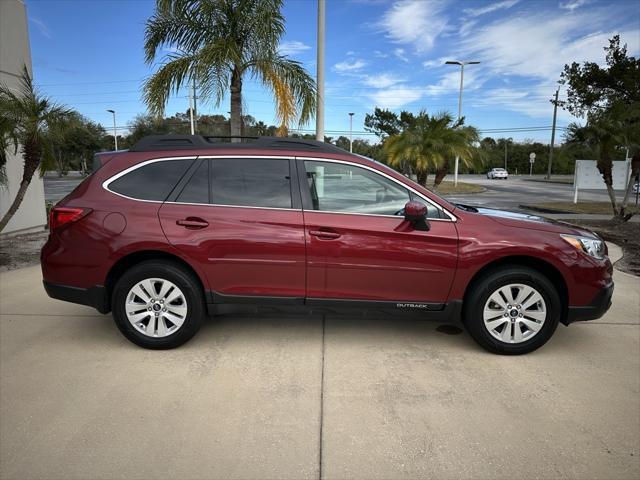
x=604 y=134
x=216 y=43
x=26 y=116
x=429 y=142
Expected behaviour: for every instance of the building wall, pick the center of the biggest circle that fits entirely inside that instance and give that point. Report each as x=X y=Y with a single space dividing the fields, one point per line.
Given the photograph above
x=14 y=53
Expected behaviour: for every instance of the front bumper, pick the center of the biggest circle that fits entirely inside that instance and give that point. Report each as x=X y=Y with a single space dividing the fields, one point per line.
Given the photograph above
x=95 y=297
x=596 y=309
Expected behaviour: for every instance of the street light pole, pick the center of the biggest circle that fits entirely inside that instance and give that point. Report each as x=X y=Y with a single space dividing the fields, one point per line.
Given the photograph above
x=553 y=134
x=320 y=73
x=115 y=131
x=462 y=64
x=351 y=114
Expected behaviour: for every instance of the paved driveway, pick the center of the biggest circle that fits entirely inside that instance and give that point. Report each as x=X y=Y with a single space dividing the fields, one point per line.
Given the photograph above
x=312 y=397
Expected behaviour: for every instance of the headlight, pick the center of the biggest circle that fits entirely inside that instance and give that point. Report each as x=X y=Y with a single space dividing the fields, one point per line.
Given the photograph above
x=591 y=246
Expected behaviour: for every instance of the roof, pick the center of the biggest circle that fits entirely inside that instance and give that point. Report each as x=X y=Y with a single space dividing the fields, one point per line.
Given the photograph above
x=154 y=143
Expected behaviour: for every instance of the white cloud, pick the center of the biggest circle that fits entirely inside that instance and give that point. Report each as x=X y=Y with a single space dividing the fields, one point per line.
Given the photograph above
x=450 y=82
x=414 y=22
x=382 y=80
x=395 y=97
x=401 y=54
x=492 y=7
x=292 y=47
x=350 y=53
x=438 y=62
x=41 y=26
x=571 y=5
x=539 y=46
x=349 y=66
x=379 y=54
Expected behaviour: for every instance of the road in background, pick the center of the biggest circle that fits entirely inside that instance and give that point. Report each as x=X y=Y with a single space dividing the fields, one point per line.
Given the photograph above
x=520 y=190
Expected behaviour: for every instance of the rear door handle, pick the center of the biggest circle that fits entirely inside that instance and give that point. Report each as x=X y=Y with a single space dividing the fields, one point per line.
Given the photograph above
x=192 y=223
x=324 y=235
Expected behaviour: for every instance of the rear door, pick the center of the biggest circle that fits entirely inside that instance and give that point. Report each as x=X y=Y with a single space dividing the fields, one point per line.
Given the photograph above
x=356 y=248
x=238 y=218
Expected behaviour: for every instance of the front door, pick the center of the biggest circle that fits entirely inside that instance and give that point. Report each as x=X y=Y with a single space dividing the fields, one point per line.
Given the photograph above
x=238 y=219
x=355 y=248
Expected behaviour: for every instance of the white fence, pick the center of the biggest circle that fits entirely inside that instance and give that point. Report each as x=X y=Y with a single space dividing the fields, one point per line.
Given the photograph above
x=587 y=177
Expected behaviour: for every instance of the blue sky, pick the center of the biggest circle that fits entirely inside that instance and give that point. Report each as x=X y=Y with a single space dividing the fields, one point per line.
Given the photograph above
x=391 y=54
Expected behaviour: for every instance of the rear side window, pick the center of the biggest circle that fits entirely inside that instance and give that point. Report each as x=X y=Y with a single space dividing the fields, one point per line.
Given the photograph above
x=151 y=182
x=197 y=189
x=251 y=182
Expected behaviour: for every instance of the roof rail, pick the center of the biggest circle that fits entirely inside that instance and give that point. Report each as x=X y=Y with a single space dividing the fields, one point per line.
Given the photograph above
x=199 y=142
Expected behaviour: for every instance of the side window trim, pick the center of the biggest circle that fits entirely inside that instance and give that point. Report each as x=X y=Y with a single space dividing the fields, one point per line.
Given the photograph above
x=108 y=181
x=307 y=202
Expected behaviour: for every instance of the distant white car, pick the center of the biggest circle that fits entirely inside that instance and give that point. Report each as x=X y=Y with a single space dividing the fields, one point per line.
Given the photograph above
x=497 y=173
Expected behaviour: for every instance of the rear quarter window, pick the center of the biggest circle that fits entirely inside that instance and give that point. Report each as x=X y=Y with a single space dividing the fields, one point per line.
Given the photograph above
x=153 y=181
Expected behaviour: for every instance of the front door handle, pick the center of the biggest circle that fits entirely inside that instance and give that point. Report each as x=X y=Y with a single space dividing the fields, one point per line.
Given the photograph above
x=192 y=223
x=324 y=235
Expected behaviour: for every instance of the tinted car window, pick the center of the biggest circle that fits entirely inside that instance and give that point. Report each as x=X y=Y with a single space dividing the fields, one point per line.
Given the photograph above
x=197 y=189
x=338 y=187
x=153 y=181
x=251 y=183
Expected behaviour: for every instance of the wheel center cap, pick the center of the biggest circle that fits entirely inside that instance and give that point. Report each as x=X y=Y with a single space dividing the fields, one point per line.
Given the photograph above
x=513 y=313
x=157 y=307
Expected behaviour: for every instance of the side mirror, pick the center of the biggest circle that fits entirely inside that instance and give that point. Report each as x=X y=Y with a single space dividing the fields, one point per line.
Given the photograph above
x=416 y=214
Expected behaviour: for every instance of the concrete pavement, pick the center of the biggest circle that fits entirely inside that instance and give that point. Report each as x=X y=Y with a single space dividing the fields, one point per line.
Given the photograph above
x=304 y=397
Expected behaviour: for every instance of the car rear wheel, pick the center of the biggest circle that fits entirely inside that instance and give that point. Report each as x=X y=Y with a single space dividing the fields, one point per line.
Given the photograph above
x=158 y=305
x=512 y=310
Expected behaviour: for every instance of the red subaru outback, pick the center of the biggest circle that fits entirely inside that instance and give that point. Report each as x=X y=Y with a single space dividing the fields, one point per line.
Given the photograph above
x=180 y=226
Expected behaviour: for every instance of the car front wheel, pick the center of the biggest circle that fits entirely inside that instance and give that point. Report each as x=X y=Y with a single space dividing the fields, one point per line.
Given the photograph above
x=512 y=310
x=158 y=305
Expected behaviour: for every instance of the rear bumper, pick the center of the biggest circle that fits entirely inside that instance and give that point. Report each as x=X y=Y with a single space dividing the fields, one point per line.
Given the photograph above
x=95 y=297
x=596 y=309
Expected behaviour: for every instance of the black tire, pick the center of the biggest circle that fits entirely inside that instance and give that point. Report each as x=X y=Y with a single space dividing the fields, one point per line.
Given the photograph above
x=177 y=275
x=485 y=286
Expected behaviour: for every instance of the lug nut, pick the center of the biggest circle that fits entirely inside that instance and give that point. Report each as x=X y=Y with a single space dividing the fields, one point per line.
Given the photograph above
x=508 y=306
x=520 y=315
x=149 y=308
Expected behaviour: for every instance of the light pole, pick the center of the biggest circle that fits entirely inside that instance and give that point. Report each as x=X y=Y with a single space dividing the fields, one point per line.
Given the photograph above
x=462 y=64
x=115 y=132
x=320 y=73
x=351 y=114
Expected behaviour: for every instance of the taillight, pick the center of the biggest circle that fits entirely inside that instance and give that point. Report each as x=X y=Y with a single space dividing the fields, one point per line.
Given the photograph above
x=61 y=216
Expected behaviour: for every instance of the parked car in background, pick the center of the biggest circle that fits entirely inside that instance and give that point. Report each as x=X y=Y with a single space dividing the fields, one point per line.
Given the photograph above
x=499 y=173
x=182 y=226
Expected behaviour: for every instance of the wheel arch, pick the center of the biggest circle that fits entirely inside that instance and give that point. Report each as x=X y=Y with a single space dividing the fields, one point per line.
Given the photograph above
x=542 y=266
x=132 y=259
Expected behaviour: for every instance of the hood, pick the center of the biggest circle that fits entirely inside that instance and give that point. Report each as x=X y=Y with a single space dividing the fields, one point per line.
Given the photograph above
x=526 y=220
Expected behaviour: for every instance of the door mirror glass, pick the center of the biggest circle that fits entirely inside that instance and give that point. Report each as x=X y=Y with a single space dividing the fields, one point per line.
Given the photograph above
x=416 y=214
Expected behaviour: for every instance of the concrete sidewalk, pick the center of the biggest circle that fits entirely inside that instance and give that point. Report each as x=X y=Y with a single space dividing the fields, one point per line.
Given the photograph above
x=311 y=397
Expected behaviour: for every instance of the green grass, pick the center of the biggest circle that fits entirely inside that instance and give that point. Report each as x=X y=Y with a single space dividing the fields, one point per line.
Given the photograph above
x=447 y=188
x=603 y=208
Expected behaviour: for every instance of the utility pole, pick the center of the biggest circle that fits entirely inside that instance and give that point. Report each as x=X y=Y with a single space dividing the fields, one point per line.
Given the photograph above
x=195 y=108
x=115 y=131
x=351 y=114
x=320 y=73
x=553 y=133
x=462 y=64
x=505 y=153
x=191 y=102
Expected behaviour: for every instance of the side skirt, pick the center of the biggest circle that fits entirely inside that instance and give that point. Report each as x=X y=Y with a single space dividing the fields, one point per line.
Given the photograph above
x=218 y=304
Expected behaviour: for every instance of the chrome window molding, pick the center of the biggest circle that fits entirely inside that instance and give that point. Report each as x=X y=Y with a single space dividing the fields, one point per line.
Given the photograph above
x=107 y=182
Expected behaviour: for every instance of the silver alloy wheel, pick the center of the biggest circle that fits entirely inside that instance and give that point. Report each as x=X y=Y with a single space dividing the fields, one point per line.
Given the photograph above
x=156 y=307
x=514 y=313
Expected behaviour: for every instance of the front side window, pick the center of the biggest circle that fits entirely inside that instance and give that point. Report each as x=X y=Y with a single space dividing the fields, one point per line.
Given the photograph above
x=251 y=182
x=153 y=181
x=338 y=187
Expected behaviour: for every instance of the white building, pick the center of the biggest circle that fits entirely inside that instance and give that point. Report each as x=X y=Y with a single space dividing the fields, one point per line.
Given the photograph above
x=14 y=53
